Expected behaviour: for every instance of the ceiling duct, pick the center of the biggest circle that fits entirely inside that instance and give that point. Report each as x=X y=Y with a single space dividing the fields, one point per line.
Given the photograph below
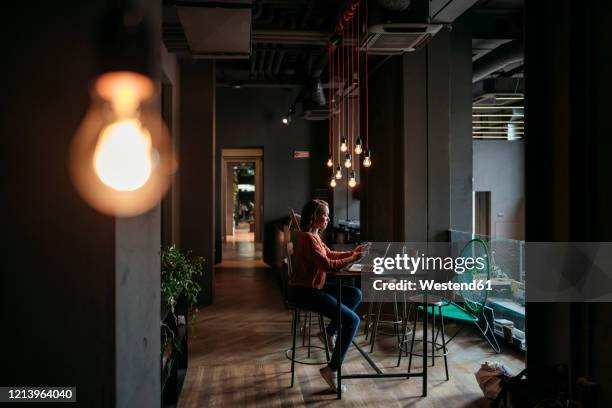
x=220 y=29
x=396 y=5
x=316 y=92
x=393 y=32
x=504 y=55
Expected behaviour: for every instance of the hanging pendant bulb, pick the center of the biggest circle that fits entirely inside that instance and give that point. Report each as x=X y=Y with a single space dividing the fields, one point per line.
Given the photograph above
x=358 y=148
x=338 y=172
x=330 y=163
x=343 y=146
x=347 y=161
x=332 y=183
x=352 y=181
x=367 y=160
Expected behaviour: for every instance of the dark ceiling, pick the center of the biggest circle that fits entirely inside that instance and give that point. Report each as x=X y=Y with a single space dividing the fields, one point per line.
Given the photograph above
x=289 y=36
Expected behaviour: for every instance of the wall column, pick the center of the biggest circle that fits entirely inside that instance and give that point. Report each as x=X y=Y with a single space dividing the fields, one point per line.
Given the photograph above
x=197 y=167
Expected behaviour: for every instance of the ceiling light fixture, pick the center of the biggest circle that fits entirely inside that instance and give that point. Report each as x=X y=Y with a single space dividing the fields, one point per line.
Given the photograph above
x=347 y=161
x=352 y=181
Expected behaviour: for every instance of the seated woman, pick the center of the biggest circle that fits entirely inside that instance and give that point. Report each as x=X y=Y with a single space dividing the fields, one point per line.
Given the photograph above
x=308 y=290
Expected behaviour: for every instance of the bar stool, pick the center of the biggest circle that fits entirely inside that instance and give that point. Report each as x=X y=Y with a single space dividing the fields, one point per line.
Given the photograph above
x=373 y=319
x=434 y=308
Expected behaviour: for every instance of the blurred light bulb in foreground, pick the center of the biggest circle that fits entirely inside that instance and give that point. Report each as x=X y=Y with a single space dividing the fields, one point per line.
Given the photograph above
x=343 y=146
x=121 y=159
x=330 y=163
x=332 y=183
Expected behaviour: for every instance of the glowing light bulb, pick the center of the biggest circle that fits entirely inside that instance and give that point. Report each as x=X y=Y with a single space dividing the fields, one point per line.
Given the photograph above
x=332 y=183
x=352 y=182
x=347 y=162
x=330 y=163
x=338 y=172
x=358 y=148
x=343 y=146
x=121 y=157
x=367 y=160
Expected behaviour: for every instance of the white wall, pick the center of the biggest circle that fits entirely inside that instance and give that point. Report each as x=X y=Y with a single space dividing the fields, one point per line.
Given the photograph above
x=499 y=167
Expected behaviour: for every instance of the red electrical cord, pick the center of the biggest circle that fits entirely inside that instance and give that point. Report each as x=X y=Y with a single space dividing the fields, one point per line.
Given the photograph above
x=367 y=79
x=358 y=74
x=339 y=109
x=350 y=85
x=330 y=121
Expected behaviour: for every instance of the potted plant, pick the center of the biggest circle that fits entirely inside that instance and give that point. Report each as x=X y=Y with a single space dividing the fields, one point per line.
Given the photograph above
x=179 y=271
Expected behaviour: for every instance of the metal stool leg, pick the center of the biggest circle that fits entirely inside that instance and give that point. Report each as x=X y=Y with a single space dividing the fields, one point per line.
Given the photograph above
x=322 y=328
x=416 y=317
x=375 y=328
x=395 y=316
x=309 y=332
x=303 y=328
x=294 y=324
x=433 y=333
x=443 y=342
x=368 y=317
x=402 y=341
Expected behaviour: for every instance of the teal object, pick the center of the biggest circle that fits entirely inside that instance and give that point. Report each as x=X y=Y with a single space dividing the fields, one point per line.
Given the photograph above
x=474 y=301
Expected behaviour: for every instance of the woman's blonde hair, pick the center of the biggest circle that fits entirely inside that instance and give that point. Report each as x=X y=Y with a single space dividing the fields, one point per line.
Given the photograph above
x=310 y=212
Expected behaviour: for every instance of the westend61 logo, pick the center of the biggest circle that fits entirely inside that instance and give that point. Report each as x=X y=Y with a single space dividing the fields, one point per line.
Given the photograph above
x=413 y=264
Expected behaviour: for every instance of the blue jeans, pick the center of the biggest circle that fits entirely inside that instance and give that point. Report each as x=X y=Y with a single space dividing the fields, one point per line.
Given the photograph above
x=324 y=302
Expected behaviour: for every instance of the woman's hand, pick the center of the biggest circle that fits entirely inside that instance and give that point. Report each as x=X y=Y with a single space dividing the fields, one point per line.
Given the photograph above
x=358 y=250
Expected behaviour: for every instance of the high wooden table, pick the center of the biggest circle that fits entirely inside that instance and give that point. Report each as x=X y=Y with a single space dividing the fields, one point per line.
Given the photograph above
x=347 y=274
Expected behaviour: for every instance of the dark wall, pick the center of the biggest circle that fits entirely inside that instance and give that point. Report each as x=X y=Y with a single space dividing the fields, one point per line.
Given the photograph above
x=58 y=279
x=382 y=201
x=197 y=167
x=568 y=194
x=252 y=118
x=419 y=185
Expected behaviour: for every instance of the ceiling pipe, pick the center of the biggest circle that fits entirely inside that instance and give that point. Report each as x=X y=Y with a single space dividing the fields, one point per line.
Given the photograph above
x=279 y=61
x=502 y=56
x=257 y=9
x=253 y=63
x=271 y=58
x=262 y=60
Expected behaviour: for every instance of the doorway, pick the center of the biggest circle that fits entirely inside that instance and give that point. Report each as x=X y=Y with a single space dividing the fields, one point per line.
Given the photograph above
x=482 y=213
x=242 y=204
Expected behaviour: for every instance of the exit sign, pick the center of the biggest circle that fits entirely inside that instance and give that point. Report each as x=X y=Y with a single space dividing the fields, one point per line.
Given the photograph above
x=301 y=154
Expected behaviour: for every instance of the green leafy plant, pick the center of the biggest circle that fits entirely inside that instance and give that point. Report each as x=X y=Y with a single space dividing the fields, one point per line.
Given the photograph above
x=178 y=273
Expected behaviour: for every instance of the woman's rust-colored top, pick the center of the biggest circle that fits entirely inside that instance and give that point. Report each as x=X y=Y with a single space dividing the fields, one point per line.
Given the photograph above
x=313 y=260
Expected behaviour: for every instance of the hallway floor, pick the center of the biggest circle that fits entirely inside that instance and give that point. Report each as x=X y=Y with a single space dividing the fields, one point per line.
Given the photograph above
x=236 y=357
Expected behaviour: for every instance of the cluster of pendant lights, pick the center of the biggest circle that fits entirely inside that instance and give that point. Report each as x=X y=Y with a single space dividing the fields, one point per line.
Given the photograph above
x=345 y=72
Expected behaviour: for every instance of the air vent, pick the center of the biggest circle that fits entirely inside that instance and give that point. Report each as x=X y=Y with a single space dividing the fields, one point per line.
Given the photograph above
x=391 y=39
x=219 y=29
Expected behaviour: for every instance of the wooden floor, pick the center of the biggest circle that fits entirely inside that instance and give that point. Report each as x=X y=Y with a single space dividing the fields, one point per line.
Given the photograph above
x=236 y=358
